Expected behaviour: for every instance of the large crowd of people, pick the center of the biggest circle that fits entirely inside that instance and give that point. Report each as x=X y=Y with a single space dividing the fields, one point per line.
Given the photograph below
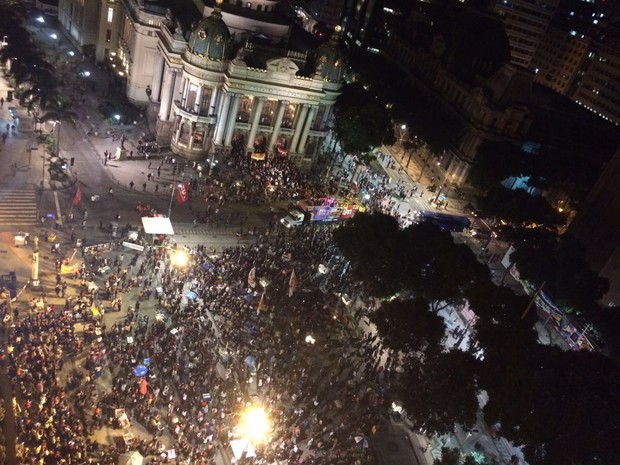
x=264 y=324
x=231 y=331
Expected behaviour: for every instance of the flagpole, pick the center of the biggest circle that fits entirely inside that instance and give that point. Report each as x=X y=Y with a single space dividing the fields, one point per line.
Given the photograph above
x=174 y=185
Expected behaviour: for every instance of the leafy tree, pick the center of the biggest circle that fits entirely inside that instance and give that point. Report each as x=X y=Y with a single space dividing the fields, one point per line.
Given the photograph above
x=370 y=243
x=449 y=456
x=520 y=208
x=559 y=404
x=496 y=161
x=439 y=390
x=408 y=326
x=361 y=121
x=437 y=269
x=559 y=262
x=407 y=105
x=606 y=320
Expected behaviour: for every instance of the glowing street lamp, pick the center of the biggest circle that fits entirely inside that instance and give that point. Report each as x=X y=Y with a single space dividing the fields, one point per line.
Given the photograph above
x=41 y=19
x=255 y=424
x=180 y=258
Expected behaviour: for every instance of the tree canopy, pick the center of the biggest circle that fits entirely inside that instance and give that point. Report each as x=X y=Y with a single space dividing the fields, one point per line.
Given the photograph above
x=520 y=208
x=361 y=122
x=560 y=405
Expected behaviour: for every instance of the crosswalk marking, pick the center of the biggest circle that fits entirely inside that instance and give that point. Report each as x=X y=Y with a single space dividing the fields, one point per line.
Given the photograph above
x=18 y=207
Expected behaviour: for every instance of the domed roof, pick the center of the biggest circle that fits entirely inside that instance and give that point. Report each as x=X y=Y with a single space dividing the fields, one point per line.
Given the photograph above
x=330 y=58
x=210 y=39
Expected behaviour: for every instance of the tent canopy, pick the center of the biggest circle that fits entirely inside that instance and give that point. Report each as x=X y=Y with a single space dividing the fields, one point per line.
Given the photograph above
x=131 y=458
x=242 y=448
x=157 y=225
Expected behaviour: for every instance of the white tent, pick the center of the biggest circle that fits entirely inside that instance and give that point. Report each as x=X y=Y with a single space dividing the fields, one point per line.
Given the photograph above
x=242 y=448
x=157 y=225
x=131 y=458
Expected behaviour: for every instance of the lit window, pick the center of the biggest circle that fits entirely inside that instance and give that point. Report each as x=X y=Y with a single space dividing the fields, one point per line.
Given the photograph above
x=110 y=14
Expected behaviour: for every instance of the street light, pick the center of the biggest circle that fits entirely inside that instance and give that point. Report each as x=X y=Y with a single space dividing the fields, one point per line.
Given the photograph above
x=180 y=258
x=41 y=19
x=255 y=424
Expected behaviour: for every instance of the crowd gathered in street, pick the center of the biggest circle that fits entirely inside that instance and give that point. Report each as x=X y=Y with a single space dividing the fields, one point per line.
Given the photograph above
x=231 y=330
x=268 y=323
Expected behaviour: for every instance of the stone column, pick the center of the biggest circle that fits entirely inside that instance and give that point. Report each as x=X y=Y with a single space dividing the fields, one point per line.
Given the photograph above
x=299 y=127
x=199 y=91
x=222 y=118
x=168 y=87
x=214 y=94
x=257 y=111
x=278 y=124
x=232 y=119
x=190 y=142
x=306 y=130
x=158 y=77
x=186 y=86
x=176 y=92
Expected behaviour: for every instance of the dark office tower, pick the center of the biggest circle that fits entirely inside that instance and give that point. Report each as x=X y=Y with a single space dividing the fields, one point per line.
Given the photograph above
x=369 y=23
x=526 y=22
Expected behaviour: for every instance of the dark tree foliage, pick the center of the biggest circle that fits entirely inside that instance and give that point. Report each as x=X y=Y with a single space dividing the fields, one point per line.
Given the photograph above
x=561 y=405
x=440 y=389
x=449 y=456
x=409 y=326
x=559 y=262
x=606 y=320
x=437 y=269
x=369 y=242
x=496 y=162
x=519 y=207
x=362 y=122
x=423 y=117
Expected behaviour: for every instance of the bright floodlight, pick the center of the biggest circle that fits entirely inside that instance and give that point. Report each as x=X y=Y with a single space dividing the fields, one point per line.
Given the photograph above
x=86 y=73
x=41 y=19
x=70 y=53
x=53 y=35
x=180 y=258
x=403 y=126
x=117 y=117
x=254 y=424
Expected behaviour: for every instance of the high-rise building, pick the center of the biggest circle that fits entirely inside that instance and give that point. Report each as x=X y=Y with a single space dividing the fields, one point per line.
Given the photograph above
x=91 y=26
x=559 y=58
x=526 y=22
x=597 y=225
x=598 y=84
x=370 y=23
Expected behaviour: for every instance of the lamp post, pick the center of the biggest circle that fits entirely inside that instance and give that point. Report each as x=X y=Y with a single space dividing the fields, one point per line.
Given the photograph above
x=34 y=275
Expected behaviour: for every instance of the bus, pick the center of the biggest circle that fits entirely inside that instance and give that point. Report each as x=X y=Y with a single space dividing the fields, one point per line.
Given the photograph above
x=452 y=223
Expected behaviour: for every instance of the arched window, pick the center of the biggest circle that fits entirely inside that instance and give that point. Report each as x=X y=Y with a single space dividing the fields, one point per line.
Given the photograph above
x=259 y=7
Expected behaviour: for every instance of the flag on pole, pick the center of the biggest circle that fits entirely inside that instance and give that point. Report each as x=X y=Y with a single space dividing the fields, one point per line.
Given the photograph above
x=182 y=194
x=252 y=278
x=78 y=196
x=260 y=303
x=292 y=284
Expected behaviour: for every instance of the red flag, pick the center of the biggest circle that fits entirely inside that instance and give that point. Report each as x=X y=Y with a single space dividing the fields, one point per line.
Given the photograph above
x=182 y=194
x=78 y=196
x=143 y=387
x=292 y=284
x=260 y=303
